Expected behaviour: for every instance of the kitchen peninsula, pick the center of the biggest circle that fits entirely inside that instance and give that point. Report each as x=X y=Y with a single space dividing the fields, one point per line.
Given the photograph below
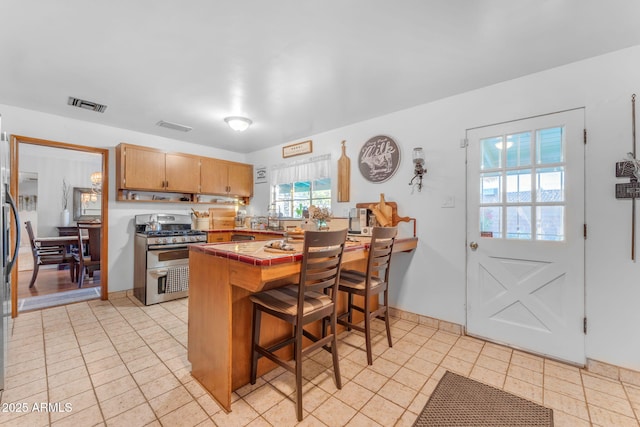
x=221 y=279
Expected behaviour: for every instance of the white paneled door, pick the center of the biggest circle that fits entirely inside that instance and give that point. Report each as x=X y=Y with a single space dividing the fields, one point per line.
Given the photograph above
x=525 y=234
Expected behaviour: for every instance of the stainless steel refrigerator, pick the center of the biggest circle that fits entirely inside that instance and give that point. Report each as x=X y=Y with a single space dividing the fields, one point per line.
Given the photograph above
x=9 y=255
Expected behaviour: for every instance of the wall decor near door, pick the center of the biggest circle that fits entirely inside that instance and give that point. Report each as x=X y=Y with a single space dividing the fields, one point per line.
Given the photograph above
x=344 y=175
x=630 y=168
x=379 y=159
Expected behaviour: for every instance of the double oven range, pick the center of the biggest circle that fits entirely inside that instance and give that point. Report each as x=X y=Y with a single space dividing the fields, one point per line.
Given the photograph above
x=161 y=256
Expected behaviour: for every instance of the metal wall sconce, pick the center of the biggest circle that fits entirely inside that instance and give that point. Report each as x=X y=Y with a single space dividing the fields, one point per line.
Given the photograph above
x=418 y=167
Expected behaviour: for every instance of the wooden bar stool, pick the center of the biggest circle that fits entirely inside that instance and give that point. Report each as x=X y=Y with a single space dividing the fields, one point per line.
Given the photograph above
x=368 y=284
x=303 y=303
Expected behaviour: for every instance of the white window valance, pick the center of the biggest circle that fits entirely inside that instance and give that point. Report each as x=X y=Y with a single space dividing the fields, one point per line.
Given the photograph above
x=318 y=167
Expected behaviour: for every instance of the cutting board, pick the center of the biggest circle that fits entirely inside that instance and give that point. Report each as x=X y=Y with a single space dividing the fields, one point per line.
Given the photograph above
x=395 y=219
x=386 y=209
x=344 y=175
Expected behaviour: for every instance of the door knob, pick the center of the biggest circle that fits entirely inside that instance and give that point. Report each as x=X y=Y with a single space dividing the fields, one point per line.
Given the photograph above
x=473 y=246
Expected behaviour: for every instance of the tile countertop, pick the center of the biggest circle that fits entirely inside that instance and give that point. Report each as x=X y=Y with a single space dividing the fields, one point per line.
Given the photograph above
x=245 y=230
x=257 y=253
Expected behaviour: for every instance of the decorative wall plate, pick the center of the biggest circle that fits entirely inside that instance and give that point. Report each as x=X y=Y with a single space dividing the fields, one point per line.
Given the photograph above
x=379 y=158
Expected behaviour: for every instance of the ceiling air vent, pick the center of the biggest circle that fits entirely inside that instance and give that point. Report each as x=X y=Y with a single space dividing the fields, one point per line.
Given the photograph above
x=174 y=126
x=87 y=105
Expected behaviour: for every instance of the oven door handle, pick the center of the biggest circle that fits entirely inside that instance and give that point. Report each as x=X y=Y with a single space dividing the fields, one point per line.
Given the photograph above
x=158 y=273
x=161 y=247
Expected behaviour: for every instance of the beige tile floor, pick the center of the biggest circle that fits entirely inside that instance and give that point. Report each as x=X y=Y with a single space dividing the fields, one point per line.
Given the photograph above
x=117 y=363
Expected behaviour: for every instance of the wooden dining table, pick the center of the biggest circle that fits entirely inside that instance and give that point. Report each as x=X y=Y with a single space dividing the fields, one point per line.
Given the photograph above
x=58 y=240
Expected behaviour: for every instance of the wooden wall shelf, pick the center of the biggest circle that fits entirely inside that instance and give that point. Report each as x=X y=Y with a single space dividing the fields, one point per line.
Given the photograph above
x=147 y=197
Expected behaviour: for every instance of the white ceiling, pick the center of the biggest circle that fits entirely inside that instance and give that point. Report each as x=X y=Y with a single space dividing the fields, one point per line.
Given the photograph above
x=295 y=67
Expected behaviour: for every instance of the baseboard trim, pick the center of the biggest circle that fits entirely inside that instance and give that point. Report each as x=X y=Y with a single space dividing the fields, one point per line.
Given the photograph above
x=604 y=369
x=432 y=322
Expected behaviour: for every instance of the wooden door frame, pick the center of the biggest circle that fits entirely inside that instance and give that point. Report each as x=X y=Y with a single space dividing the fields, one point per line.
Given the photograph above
x=104 y=208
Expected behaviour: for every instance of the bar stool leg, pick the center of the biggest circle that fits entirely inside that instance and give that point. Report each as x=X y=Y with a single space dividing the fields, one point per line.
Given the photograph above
x=255 y=338
x=298 y=362
x=367 y=330
x=334 y=349
x=386 y=317
x=349 y=309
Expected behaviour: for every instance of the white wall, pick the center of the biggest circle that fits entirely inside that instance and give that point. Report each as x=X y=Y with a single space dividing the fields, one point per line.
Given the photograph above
x=53 y=165
x=19 y=121
x=431 y=281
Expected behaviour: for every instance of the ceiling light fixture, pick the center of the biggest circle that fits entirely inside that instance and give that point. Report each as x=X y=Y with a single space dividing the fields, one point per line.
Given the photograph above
x=237 y=123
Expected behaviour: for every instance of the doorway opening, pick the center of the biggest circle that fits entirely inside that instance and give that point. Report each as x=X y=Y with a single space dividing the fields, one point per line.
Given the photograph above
x=59 y=187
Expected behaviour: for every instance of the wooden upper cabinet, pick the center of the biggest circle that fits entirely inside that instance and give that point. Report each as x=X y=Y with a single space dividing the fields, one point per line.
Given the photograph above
x=241 y=179
x=148 y=169
x=214 y=176
x=224 y=177
x=141 y=168
x=182 y=173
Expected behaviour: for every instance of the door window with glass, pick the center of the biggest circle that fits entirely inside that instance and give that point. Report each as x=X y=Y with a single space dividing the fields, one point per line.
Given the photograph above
x=522 y=185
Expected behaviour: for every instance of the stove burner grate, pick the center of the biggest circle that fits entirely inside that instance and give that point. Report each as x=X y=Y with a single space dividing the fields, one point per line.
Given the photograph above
x=165 y=233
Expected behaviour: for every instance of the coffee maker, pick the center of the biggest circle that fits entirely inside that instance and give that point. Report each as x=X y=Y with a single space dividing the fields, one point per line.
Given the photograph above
x=361 y=221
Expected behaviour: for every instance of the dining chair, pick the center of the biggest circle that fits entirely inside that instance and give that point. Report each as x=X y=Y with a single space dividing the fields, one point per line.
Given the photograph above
x=370 y=284
x=313 y=298
x=47 y=255
x=87 y=259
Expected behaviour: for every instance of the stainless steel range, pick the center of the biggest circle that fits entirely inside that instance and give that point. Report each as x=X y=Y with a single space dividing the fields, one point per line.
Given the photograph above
x=161 y=256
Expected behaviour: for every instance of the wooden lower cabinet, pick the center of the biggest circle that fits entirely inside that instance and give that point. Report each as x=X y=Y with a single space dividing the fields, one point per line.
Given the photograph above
x=218 y=237
x=225 y=236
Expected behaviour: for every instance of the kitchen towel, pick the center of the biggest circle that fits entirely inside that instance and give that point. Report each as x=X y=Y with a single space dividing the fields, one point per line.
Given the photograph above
x=177 y=279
